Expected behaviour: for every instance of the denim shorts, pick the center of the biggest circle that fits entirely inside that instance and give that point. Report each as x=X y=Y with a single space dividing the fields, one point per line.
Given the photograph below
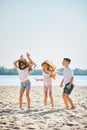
x=25 y=85
x=66 y=90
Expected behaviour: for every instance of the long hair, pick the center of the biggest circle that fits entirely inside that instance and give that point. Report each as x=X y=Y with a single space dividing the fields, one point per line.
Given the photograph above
x=23 y=61
x=49 y=66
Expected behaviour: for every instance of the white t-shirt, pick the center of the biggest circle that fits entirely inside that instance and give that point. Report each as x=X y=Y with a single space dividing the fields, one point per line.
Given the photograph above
x=67 y=73
x=23 y=74
x=46 y=78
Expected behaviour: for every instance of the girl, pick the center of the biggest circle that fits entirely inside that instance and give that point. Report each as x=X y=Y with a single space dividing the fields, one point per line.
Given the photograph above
x=49 y=73
x=24 y=67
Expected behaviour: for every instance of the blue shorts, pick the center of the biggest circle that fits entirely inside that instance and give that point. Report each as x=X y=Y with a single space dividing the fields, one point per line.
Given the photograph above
x=66 y=90
x=25 y=85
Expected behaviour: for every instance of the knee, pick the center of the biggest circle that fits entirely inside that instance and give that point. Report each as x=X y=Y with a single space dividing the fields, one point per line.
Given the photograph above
x=45 y=95
x=21 y=95
x=63 y=95
x=50 y=95
x=27 y=95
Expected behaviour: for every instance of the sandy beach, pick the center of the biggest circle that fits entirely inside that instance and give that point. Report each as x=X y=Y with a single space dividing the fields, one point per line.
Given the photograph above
x=40 y=117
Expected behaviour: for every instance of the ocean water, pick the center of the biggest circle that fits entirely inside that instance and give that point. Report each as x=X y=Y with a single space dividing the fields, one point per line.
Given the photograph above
x=11 y=80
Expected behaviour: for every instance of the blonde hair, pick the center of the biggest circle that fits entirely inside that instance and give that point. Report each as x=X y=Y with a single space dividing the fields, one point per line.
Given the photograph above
x=49 y=66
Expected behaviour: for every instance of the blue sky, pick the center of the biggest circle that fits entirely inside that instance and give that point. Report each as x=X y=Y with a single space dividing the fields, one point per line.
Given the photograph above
x=48 y=29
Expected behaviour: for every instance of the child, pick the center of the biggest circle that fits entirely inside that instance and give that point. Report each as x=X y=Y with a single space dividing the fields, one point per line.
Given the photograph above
x=68 y=83
x=49 y=73
x=24 y=67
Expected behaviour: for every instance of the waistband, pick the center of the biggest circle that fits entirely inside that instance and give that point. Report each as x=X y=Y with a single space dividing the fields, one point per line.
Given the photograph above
x=26 y=81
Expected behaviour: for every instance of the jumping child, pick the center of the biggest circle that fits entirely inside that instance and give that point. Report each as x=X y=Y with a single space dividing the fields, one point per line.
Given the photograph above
x=49 y=73
x=24 y=67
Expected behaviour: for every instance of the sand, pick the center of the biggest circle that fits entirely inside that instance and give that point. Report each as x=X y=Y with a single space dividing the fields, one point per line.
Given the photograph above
x=40 y=117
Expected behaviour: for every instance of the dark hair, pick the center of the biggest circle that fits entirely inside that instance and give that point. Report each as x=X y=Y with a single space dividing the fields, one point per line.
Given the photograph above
x=67 y=59
x=22 y=62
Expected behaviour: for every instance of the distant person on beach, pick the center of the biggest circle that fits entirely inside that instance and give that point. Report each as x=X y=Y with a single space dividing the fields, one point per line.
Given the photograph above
x=24 y=67
x=49 y=73
x=68 y=83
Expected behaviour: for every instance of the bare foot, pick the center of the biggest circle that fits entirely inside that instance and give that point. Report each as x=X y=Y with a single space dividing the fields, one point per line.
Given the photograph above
x=73 y=107
x=29 y=107
x=67 y=108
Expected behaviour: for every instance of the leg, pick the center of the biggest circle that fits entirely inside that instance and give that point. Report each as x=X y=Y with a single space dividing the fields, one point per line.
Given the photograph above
x=68 y=98
x=51 y=98
x=21 y=96
x=45 y=95
x=50 y=95
x=65 y=100
x=27 y=96
x=70 y=101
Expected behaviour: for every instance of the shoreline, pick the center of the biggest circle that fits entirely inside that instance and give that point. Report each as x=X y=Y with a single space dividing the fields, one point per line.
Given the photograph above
x=40 y=117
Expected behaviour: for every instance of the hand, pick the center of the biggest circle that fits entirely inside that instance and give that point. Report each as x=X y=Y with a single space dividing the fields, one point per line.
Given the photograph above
x=61 y=85
x=68 y=86
x=36 y=79
x=21 y=57
x=27 y=54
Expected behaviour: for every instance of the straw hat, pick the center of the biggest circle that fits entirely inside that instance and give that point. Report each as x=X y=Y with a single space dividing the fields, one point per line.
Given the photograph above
x=50 y=64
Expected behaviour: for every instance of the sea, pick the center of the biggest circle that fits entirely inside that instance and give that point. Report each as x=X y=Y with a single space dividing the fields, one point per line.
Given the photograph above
x=13 y=80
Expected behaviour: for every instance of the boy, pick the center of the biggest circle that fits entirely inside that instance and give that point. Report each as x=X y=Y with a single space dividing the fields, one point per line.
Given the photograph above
x=68 y=83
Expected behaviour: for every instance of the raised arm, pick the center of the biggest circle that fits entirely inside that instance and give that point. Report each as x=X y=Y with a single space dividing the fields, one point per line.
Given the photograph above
x=15 y=63
x=21 y=57
x=33 y=63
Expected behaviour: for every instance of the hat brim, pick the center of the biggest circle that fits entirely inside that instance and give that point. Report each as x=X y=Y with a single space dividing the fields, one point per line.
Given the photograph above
x=49 y=63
